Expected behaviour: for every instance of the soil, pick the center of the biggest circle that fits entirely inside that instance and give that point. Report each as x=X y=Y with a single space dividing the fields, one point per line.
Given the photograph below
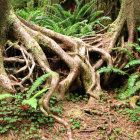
x=102 y=122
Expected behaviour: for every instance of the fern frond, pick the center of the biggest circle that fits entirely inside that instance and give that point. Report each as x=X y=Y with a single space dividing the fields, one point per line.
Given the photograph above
x=55 y=10
x=104 y=18
x=126 y=51
x=40 y=92
x=111 y=69
x=86 y=8
x=74 y=29
x=52 y=25
x=138 y=83
x=132 y=80
x=38 y=82
x=32 y=102
x=134 y=90
x=3 y=96
x=132 y=63
x=95 y=15
x=136 y=46
x=61 y=10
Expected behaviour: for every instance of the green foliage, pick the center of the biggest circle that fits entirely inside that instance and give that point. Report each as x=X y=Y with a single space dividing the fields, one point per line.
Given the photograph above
x=74 y=23
x=31 y=15
x=57 y=109
x=13 y=114
x=126 y=51
x=38 y=82
x=75 y=123
x=136 y=46
x=132 y=115
x=24 y=120
x=3 y=96
x=33 y=101
x=22 y=111
x=132 y=63
x=64 y=22
x=75 y=97
x=19 y=3
x=133 y=85
x=111 y=69
x=131 y=81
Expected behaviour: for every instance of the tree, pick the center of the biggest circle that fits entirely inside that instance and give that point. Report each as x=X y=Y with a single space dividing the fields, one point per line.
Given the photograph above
x=34 y=42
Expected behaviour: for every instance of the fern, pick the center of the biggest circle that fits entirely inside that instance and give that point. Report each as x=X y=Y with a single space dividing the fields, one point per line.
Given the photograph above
x=86 y=8
x=38 y=82
x=132 y=80
x=55 y=10
x=3 y=96
x=134 y=90
x=132 y=63
x=74 y=29
x=95 y=15
x=129 y=92
x=132 y=87
x=33 y=101
x=126 y=51
x=61 y=10
x=64 y=22
x=111 y=69
x=136 y=46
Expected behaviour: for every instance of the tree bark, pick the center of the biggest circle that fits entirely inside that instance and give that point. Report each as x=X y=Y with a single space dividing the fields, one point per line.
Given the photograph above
x=5 y=22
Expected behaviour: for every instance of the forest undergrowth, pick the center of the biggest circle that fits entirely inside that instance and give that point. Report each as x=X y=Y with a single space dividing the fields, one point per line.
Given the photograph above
x=109 y=76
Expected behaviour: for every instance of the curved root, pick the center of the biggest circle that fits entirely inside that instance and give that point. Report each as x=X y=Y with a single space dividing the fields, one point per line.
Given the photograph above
x=35 y=39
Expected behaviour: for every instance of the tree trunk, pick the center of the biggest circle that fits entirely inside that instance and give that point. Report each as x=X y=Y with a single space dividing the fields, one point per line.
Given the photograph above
x=5 y=22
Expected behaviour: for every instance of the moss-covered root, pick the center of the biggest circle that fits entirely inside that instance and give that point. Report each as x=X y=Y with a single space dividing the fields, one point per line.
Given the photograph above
x=5 y=83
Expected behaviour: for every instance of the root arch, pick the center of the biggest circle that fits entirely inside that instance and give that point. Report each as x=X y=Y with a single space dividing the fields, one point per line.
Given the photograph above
x=31 y=40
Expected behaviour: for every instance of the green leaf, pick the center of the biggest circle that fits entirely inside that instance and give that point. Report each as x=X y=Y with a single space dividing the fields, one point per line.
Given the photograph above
x=132 y=63
x=111 y=69
x=3 y=96
x=40 y=92
x=132 y=80
x=32 y=102
x=38 y=82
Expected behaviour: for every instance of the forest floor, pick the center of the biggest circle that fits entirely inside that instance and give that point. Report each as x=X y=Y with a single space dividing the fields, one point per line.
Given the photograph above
x=107 y=120
x=103 y=121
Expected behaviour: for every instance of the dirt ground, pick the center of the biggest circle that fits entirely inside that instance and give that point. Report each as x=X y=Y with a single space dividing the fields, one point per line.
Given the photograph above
x=102 y=122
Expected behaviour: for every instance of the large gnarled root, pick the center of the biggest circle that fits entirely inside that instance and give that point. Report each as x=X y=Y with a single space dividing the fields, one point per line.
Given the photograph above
x=78 y=61
x=39 y=55
x=5 y=83
x=28 y=59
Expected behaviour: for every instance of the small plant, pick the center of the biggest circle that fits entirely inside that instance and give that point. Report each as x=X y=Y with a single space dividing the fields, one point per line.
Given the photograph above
x=75 y=97
x=133 y=83
x=75 y=123
x=31 y=101
x=133 y=115
x=111 y=69
x=73 y=24
x=24 y=117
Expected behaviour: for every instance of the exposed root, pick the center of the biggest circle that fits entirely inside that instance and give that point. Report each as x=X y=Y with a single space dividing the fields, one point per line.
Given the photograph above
x=35 y=41
x=61 y=121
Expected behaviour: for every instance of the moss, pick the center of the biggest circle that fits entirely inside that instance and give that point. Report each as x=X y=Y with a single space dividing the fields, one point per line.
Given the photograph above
x=86 y=77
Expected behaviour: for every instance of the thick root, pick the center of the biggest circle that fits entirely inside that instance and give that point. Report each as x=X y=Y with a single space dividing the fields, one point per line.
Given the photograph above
x=35 y=40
